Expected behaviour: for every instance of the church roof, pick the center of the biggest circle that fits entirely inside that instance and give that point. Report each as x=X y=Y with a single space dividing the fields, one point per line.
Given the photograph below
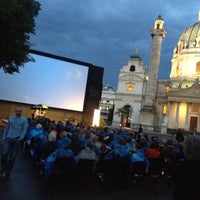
x=190 y=35
x=159 y=17
x=191 y=92
x=108 y=88
x=135 y=56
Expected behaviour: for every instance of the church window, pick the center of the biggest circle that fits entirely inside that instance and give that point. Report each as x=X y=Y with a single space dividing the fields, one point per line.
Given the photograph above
x=132 y=68
x=175 y=84
x=177 y=71
x=195 y=108
x=158 y=26
x=186 y=84
x=129 y=86
x=167 y=89
x=164 y=110
x=198 y=67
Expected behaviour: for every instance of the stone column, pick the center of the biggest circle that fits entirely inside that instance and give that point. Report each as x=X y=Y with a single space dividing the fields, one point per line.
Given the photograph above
x=157 y=33
x=177 y=115
x=148 y=111
x=187 y=116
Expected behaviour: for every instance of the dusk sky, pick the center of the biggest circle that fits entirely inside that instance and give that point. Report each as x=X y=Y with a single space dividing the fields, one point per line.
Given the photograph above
x=106 y=32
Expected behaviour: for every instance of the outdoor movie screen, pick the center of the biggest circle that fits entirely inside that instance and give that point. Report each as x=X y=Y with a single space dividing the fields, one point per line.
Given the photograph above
x=50 y=81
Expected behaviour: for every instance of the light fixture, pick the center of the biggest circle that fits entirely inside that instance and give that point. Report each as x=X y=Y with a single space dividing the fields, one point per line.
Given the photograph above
x=96 y=117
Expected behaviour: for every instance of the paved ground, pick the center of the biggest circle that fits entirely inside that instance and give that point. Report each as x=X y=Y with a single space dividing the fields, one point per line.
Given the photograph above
x=26 y=183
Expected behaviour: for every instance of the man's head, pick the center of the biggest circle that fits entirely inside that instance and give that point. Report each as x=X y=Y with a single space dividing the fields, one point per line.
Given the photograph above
x=18 y=111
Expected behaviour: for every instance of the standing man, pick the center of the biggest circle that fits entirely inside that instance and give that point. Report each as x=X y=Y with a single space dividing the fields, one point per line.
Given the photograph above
x=14 y=132
x=140 y=129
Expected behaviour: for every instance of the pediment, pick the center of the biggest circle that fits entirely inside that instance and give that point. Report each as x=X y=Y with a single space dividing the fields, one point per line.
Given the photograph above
x=193 y=91
x=129 y=77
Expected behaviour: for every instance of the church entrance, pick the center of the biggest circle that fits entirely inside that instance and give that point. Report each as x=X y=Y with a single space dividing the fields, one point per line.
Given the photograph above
x=128 y=116
x=193 y=123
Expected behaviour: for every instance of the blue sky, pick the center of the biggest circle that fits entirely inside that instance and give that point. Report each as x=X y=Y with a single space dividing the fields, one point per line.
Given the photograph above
x=106 y=32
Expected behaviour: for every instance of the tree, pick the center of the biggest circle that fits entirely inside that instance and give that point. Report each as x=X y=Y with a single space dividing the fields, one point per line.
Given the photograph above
x=17 y=23
x=122 y=113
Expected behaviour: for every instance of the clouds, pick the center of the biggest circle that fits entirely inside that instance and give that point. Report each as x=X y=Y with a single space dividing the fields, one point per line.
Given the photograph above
x=106 y=33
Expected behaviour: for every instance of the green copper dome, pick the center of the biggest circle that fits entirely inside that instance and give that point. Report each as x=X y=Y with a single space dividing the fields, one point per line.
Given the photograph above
x=159 y=18
x=135 y=56
x=190 y=37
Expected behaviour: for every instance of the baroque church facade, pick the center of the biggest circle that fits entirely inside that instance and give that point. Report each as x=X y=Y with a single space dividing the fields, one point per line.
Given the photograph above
x=160 y=105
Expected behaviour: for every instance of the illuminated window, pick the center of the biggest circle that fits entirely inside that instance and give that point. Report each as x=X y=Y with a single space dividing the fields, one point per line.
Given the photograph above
x=164 y=110
x=198 y=68
x=167 y=89
x=175 y=84
x=186 y=84
x=195 y=108
x=129 y=86
x=177 y=71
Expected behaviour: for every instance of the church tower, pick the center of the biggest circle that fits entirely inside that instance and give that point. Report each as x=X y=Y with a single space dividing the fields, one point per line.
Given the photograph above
x=149 y=107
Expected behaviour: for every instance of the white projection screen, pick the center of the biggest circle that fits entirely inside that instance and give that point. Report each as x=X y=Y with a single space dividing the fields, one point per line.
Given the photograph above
x=54 y=82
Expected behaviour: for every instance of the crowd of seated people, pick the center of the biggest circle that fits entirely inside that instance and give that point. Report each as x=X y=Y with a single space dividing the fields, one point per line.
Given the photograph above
x=188 y=173
x=48 y=141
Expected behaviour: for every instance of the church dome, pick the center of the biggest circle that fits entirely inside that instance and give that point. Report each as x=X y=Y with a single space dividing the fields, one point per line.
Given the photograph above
x=186 y=57
x=190 y=38
x=135 y=56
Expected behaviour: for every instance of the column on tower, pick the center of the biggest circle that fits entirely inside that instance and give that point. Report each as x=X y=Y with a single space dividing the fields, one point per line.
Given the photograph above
x=149 y=107
x=157 y=33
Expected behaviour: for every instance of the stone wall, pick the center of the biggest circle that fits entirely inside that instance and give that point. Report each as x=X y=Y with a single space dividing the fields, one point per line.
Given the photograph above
x=8 y=108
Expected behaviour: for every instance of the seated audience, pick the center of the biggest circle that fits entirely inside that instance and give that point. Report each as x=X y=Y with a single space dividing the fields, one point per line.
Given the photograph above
x=33 y=132
x=76 y=145
x=153 y=151
x=88 y=152
x=130 y=141
x=61 y=152
x=64 y=141
x=49 y=146
x=138 y=154
x=188 y=173
x=119 y=153
x=168 y=152
x=179 y=136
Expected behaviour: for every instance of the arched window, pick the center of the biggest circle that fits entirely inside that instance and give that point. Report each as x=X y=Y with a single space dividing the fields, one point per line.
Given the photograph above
x=132 y=68
x=167 y=89
x=198 y=67
x=164 y=110
x=129 y=86
x=177 y=71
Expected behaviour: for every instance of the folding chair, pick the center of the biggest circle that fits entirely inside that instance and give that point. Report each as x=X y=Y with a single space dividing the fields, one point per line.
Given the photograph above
x=63 y=166
x=85 y=168
x=103 y=169
x=139 y=172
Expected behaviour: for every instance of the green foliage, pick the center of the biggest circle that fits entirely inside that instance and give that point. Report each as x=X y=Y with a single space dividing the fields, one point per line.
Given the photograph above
x=17 y=23
x=102 y=122
x=122 y=111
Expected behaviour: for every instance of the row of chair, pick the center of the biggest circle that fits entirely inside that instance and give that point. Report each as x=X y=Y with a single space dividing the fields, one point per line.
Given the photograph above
x=105 y=169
